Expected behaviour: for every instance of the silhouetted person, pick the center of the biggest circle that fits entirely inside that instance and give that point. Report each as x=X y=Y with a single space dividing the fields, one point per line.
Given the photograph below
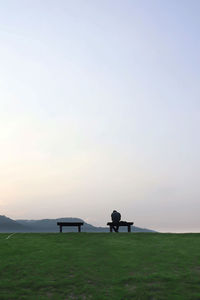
x=116 y=217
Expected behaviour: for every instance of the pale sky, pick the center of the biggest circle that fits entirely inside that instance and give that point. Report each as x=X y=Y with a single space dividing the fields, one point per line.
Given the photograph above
x=100 y=110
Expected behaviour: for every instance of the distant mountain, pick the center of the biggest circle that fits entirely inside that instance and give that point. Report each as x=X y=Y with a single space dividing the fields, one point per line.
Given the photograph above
x=9 y=225
x=50 y=225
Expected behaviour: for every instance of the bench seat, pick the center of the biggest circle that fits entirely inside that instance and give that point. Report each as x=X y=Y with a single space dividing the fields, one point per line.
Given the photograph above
x=121 y=223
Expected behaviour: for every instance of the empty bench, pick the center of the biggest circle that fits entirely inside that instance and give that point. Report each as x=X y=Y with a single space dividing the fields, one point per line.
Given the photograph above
x=78 y=224
x=121 y=223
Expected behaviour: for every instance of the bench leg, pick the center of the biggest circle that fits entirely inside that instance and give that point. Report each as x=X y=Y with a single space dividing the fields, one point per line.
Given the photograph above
x=60 y=228
x=129 y=228
x=79 y=228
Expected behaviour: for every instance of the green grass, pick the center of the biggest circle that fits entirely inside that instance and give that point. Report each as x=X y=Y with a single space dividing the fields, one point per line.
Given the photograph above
x=100 y=266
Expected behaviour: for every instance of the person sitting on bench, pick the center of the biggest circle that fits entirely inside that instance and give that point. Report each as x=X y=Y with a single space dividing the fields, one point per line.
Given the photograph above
x=116 y=217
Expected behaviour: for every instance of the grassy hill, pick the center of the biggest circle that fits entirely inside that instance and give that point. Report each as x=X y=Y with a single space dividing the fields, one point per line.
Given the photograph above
x=100 y=266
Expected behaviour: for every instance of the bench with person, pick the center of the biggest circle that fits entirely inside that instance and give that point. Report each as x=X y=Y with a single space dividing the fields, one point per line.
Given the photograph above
x=116 y=222
x=78 y=224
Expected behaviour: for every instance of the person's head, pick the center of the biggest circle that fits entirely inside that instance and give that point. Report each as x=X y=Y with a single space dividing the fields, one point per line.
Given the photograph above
x=114 y=211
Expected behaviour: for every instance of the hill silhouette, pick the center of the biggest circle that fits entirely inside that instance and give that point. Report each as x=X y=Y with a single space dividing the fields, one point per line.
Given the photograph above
x=9 y=225
x=50 y=225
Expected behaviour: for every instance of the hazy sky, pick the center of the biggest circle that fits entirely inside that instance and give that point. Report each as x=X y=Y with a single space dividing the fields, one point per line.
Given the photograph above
x=100 y=110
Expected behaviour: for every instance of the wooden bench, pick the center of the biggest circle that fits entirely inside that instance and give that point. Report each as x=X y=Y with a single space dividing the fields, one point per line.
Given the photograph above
x=121 y=223
x=78 y=224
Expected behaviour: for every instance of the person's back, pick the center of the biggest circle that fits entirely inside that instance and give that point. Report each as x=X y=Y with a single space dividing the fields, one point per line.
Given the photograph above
x=116 y=217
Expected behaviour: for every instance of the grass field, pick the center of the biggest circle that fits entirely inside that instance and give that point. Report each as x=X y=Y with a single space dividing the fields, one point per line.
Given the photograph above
x=100 y=266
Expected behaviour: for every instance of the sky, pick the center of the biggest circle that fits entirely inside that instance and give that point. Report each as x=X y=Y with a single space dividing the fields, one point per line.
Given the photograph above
x=100 y=110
